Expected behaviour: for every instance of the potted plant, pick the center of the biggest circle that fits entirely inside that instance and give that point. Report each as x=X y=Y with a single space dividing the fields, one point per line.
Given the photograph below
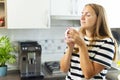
x=5 y=54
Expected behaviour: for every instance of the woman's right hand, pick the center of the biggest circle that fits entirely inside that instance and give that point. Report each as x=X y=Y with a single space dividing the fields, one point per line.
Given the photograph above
x=68 y=39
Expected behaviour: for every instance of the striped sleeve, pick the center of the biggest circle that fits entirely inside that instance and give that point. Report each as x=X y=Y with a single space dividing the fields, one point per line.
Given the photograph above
x=105 y=53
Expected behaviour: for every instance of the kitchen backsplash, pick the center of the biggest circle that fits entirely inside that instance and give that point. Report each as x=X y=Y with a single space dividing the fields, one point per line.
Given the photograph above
x=52 y=46
x=52 y=50
x=51 y=40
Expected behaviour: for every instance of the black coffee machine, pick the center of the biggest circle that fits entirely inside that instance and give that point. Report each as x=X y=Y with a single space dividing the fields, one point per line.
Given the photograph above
x=30 y=60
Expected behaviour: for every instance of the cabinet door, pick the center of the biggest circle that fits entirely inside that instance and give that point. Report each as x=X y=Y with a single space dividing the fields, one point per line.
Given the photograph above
x=64 y=11
x=60 y=7
x=28 y=14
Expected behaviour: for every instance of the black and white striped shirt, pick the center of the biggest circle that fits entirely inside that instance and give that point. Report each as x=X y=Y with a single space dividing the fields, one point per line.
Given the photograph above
x=102 y=53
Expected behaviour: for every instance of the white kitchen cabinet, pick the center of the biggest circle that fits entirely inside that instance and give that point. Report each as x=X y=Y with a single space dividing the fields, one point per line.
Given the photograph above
x=64 y=8
x=28 y=14
x=64 y=11
x=60 y=7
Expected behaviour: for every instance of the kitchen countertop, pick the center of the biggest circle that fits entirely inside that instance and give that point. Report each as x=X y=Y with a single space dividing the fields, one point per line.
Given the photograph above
x=11 y=75
x=15 y=75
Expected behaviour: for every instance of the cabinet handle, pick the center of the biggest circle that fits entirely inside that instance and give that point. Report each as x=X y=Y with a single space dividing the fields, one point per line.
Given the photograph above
x=48 y=20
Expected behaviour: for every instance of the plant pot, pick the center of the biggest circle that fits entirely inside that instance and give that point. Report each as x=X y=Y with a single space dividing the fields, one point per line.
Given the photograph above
x=3 y=71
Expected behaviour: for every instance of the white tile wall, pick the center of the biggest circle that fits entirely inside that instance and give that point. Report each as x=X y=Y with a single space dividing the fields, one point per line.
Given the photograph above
x=51 y=40
x=52 y=45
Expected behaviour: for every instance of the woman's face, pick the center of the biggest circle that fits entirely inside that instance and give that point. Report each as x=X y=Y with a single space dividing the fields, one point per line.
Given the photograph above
x=88 y=18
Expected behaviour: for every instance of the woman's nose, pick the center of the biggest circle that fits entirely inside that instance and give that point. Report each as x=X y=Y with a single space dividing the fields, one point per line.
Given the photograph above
x=83 y=17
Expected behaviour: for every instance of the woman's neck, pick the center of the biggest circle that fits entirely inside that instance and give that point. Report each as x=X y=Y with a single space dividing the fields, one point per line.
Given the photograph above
x=89 y=33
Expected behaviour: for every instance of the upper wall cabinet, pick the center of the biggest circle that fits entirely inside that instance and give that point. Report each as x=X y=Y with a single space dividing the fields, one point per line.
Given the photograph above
x=28 y=14
x=2 y=14
x=60 y=7
x=65 y=9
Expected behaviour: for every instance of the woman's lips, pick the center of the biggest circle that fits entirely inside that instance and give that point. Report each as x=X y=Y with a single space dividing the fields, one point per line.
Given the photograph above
x=82 y=21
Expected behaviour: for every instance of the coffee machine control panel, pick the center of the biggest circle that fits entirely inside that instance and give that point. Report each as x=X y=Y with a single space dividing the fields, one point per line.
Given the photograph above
x=26 y=48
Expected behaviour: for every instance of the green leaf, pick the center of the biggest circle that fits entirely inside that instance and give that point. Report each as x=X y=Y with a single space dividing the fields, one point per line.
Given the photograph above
x=5 y=51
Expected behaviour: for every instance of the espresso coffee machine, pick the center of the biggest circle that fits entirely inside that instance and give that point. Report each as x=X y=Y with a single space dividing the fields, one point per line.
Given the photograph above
x=30 y=60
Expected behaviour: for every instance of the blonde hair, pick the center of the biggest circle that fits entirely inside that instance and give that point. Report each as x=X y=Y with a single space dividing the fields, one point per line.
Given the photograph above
x=101 y=30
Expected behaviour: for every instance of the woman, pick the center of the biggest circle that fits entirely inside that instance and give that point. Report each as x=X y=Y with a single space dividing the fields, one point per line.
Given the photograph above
x=91 y=50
